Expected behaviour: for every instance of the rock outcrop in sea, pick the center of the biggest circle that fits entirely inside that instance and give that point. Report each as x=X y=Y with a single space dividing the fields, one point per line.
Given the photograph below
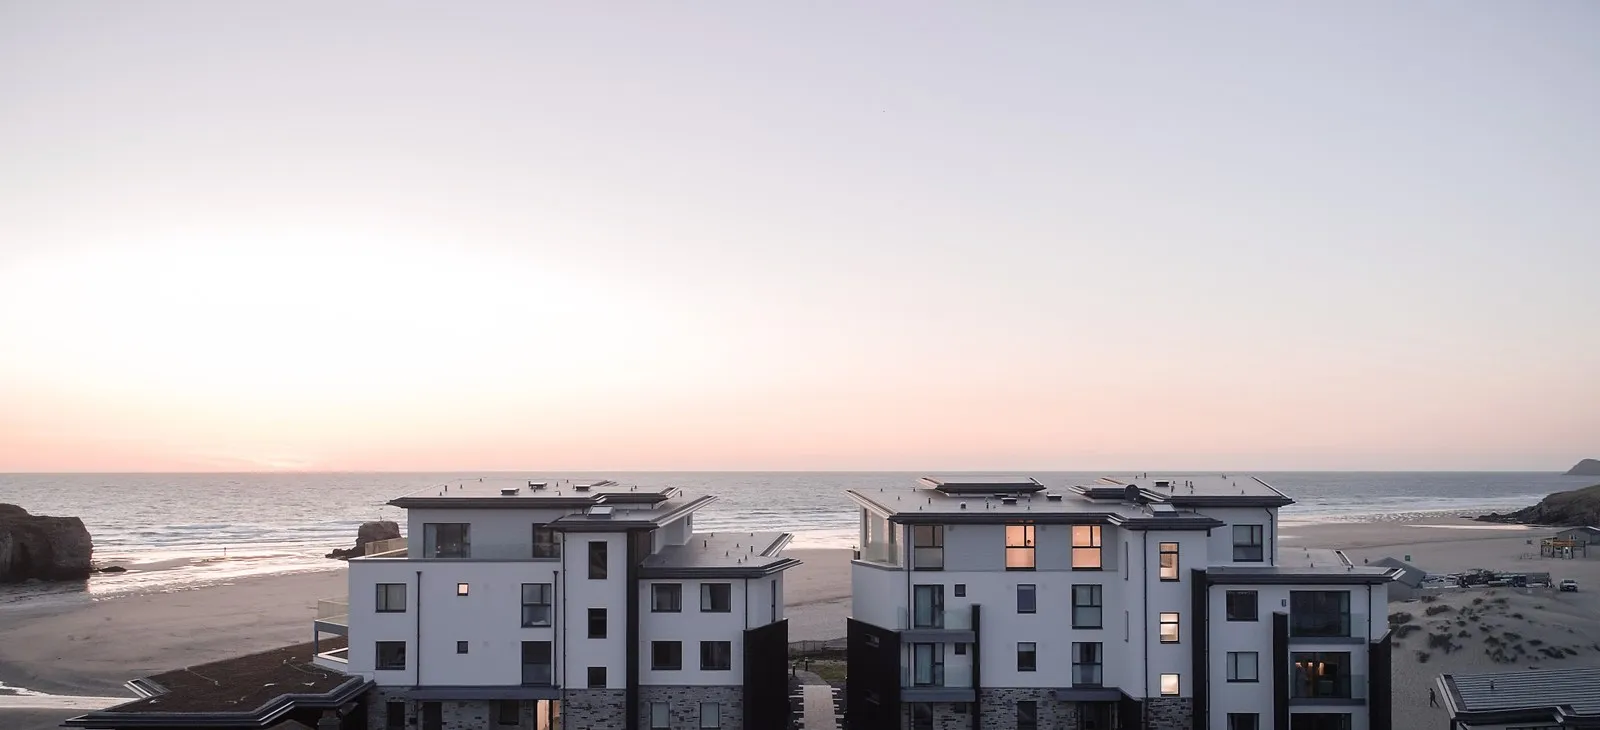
x=1568 y=509
x=37 y=547
x=1585 y=468
x=368 y=532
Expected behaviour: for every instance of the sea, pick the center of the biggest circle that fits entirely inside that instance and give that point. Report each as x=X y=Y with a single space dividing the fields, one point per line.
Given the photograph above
x=182 y=531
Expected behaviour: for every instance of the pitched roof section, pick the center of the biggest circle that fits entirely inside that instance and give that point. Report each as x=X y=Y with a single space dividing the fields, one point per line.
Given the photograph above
x=721 y=555
x=1410 y=574
x=1539 y=695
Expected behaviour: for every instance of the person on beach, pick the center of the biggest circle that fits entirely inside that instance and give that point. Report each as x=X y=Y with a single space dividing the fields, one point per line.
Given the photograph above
x=1433 y=698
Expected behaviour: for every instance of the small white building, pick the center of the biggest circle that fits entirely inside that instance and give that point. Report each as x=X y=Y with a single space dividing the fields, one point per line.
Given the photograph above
x=534 y=605
x=994 y=603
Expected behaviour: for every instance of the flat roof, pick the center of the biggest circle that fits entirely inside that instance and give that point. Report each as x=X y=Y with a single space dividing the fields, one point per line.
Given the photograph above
x=1214 y=490
x=1528 y=695
x=721 y=554
x=1290 y=574
x=982 y=484
x=927 y=505
x=531 y=493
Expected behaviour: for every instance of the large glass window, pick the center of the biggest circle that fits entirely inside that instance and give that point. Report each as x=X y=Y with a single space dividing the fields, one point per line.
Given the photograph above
x=1169 y=627
x=1027 y=598
x=927 y=547
x=1168 y=560
x=1319 y=613
x=927 y=607
x=1086 y=547
x=1241 y=605
x=597 y=623
x=391 y=655
x=1027 y=715
x=598 y=566
x=507 y=712
x=536 y=667
x=1243 y=666
x=927 y=665
x=1087 y=663
x=666 y=655
x=1086 y=607
x=716 y=655
x=1321 y=674
x=1019 y=547
x=546 y=542
x=391 y=598
x=1027 y=656
x=536 y=604
x=446 y=540
x=666 y=598
x=1249 y=543
x=716 y=597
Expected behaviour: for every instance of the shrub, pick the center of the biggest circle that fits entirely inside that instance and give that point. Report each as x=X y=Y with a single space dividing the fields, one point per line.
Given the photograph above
x=1463 y=633
x=1513 y=636
x=1430 y=598
x=1535 y=642
x=1399 y=617
x=1477 y=600
x=1400 y=632
x=1422 y=657
x=1439 y=641
x=1517 y=616
x=1436 y=610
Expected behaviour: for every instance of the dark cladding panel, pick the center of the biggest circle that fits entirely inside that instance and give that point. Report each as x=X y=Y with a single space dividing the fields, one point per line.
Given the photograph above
x=1378 y=698
x=766 y=676
x=1280 y=671
x=872 y=695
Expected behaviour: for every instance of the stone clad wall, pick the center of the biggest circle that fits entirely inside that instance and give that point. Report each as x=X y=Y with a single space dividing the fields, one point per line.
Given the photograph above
x=1000 y=708
x=378 y=706
x=594 y=709
x=683 y=709
x=945 y=715
x=1170 y=713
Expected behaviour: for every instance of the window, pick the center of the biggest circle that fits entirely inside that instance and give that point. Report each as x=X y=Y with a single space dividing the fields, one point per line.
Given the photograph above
x=927 y=547
x=391 y=598
x=1168 y=552
x=1319 y=674
x=1087 y=661
x=446 y=540
x=1248 y=544
x=1169 y=627
x=536 y=604
x=1319 y=721
x=546 y=542
x=1319 y=613
x=1244 y=721
x=710 y=715
x=1027 y=715
x=961 y=649
x=961 y=590
x=432 y=715
x=1086 y=547
x=666 y=655
x=1086 y=607
x=1241 y=605
x=659 y=719
x=597 y=560
x=461 y=647
x=1027 y=598
x=1169 y=685
x=921 y=716
x=1019 y=547
x=1242 y=666
x=716 y=598
x=597 y=623
x=394 y=716
x=1027 y=656
x=536 y=668
x=927 y=665
x=666 y=598
x=507 y=712
x=391 y=655
x=716 y=655
x=927 y=607
x=597 y=677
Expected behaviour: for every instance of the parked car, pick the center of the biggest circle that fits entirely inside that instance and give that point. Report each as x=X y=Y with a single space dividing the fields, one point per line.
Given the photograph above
x=1569 y=585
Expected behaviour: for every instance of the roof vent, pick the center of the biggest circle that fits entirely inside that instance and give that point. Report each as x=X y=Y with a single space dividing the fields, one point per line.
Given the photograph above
x=536 y=486
x=1008 y=500
x=581 y=487
x=963 y=505
x=600 y=512
x=1163 y=483
x=1130 y=493
x=508 y=491
x=1052 y=497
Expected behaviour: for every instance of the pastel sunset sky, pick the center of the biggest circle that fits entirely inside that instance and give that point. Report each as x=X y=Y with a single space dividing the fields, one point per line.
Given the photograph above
x=848 y=235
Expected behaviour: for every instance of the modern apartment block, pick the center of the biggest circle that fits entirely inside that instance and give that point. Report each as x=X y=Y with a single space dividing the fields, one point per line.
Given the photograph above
x=540 y=606
x=994 y=603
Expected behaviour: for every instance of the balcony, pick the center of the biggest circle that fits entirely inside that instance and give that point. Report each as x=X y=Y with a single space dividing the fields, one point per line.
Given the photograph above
x=1328 y=628
x=947 y=625
x=1342 y=689
x=937 y=683
x=391 y=548
x=880 y=553
x=338 y=660
x=333 y=616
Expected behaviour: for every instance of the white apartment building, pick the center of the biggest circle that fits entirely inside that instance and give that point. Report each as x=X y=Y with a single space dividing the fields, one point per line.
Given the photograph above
x=560 y=605
x=990 y=602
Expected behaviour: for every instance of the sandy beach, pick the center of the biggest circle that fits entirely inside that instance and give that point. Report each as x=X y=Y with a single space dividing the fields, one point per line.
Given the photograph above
x=92 y=646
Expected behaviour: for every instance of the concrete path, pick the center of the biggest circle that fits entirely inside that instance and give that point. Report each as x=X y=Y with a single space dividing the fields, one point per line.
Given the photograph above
x=819 y=709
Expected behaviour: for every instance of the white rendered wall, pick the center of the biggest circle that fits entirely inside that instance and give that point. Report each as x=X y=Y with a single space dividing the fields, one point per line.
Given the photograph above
x=876 y=594
x=501 y=534
x=581 y=594
x=690 y=627
x=1221 y=543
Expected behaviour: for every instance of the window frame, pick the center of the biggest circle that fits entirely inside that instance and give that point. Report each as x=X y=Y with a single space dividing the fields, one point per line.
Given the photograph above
x=548 y=591
x=383 y=599
x=599 y=560
x=1255 y=606
x=673 y=591
x=1173 y=619
x=1256 y=538
x=549 y=549
x=708 y=597
x=1031 y=605
x=933 y=536
x=656 y=647
x=1029 y=719
x=549 y=662
x=1021 y=544
x=600 y=615
x=1177 y=685
x=1236 y=721
x=1162 y=569
x=716 y=716
x=1031 y=652
x=935 y=606
x=712 y=647
x=590 y=676
x=1096 y=593
x=660 y=716
x=500 y=707
x=390 y=715
x=1086 y=540
x=1079 y=651
x=458 y=540
x=378 y=663
x=1234 y=663
x=463 y=647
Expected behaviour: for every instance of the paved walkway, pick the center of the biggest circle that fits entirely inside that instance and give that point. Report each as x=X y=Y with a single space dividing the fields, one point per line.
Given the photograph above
x=818 y=711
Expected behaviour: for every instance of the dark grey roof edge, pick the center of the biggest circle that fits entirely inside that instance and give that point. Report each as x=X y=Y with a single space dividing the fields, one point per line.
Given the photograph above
x=1227 y=500
x=731 y=571
x=582 y=523
x=1289 y=576
x=260 y=717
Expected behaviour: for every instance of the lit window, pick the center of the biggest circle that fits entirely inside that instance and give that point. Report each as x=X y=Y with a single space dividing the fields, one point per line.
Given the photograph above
x=1019 y=547
x=461 y=589
x=1169 y=560
x=1169 y=628
x=1086 y=547
x=1169 y=685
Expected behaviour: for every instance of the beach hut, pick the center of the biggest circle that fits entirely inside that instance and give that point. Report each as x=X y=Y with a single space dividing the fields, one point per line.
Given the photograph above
x=1408 y=585
x=1572 y=542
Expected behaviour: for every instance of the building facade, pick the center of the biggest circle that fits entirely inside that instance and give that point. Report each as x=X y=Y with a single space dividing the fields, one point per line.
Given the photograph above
x=547 y=606
x=990 y=602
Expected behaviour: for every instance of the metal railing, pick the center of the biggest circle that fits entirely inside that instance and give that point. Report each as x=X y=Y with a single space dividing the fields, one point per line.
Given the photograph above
x=937 y=675
x=885 y=553
x=1335 y=687
x=959 y=619
x=1330 y=625
x=378 y=547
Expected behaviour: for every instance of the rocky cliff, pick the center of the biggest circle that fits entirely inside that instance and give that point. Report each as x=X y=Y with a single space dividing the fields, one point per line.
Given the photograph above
x=1577 y=507
x=1585 y=468
x=368 y=532
x=43 y=548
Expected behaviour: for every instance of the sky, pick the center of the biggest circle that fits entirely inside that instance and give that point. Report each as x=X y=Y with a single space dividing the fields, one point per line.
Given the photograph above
x=799 y=236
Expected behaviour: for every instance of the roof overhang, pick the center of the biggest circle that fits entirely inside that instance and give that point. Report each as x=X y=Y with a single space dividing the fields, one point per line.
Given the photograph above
x=264 y=716
x=1296 y=576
